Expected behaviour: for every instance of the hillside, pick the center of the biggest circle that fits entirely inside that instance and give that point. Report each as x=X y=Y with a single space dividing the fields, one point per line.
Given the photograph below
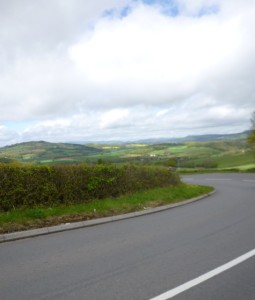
x=44 y=152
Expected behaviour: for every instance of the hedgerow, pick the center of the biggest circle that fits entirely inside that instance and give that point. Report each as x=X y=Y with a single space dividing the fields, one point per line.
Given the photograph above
x=33 y=186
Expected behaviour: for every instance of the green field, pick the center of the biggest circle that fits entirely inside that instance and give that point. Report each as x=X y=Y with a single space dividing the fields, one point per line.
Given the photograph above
x=220 y=154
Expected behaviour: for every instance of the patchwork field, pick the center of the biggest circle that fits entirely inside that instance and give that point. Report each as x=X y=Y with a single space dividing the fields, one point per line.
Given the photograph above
x=189 y=155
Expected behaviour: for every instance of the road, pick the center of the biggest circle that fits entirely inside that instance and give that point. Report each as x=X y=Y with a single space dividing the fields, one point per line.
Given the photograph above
x=142 y=258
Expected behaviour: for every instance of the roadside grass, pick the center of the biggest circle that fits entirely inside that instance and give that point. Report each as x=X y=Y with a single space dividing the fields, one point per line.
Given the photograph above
x=23 y=219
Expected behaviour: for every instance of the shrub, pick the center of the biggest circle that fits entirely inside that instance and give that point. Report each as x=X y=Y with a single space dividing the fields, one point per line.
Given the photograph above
x=35 y=186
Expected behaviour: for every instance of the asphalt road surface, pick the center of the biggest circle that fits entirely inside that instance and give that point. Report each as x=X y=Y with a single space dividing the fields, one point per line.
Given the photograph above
x=148 y=257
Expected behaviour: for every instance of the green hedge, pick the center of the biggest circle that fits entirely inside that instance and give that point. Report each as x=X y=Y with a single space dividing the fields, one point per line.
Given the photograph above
x=33 y=186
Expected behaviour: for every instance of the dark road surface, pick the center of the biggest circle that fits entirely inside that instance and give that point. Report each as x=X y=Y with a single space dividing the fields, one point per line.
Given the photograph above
x=143 y=257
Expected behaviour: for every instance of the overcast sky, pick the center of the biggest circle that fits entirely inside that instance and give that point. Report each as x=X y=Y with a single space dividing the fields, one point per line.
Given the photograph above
x=77 y=70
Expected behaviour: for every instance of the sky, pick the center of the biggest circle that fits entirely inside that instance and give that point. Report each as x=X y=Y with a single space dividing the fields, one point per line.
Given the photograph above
x=103 y=70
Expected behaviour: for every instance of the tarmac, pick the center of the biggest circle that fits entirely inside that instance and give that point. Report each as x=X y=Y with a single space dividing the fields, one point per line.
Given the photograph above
x=7 y=237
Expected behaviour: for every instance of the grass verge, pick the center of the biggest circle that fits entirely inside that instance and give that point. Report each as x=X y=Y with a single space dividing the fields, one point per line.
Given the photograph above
x=23 y=219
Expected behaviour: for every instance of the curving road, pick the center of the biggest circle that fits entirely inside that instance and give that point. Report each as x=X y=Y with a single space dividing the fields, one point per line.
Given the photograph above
x=146 y=257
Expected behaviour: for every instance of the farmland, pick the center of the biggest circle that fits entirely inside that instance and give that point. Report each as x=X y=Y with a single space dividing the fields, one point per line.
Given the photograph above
x=186 y=155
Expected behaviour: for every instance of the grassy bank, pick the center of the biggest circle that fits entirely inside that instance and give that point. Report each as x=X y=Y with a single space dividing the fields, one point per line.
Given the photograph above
x=23 y=219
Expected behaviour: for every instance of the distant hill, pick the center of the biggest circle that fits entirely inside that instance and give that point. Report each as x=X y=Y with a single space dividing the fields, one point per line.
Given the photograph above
x=45 y=152
x=198 y=138
x=190 y=138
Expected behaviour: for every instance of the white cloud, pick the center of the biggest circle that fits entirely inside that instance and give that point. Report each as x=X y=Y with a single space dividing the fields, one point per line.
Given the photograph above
x=161 y=58
x=114 y=118
x=76 y=72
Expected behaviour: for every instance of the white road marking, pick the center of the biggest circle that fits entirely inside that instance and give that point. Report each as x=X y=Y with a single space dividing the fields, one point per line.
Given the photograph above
x=188 y=285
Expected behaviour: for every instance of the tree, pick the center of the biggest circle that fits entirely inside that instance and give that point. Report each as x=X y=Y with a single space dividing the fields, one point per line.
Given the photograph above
x=251 y=137
x=171 y=163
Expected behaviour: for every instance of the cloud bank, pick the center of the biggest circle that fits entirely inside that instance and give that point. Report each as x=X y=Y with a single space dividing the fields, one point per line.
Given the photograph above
x=126 y=69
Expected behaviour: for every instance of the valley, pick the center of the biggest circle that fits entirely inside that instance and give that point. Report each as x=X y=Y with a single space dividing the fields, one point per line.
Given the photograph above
x=211 y=152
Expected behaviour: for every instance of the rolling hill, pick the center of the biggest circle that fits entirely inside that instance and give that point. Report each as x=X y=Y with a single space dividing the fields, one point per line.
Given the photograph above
x=206 y=151
x=44 y=152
